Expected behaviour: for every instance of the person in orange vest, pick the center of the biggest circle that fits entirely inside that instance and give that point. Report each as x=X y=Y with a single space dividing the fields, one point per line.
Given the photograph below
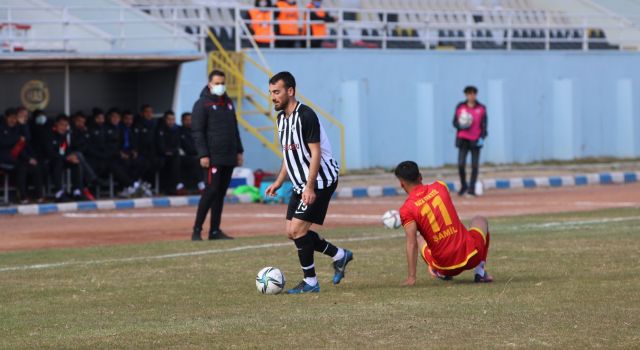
x=261 y=25
x=318 y=30
x=287 y=16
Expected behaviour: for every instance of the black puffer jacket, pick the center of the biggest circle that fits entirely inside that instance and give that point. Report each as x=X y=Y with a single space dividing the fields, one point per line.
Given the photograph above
x=215 y=129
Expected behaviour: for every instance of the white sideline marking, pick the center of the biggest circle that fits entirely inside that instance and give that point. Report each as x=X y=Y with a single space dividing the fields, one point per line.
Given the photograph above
x=579 y=222
x=233 y=215
x=180 y=255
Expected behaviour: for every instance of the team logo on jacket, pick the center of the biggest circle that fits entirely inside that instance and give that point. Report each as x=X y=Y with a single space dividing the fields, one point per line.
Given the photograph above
x=214 y=170
x=214 y=107
x=230 y=106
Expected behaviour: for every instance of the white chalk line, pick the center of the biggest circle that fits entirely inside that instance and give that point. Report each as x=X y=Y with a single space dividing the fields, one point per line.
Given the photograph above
x=230 y=215
x=276 y=245
x=180 y=255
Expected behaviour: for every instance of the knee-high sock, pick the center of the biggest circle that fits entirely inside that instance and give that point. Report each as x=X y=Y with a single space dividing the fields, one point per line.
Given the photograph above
x=305 y=255
x=322 y=246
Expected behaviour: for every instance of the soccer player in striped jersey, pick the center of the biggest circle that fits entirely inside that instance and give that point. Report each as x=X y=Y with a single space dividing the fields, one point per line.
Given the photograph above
x=314 y=174
x=445 y=244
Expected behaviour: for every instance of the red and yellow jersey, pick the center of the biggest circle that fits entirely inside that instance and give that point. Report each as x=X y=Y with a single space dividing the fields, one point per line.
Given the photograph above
x=431 y=208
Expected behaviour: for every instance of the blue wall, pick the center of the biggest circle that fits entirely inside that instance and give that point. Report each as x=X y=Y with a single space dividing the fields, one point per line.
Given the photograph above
x=398 y=105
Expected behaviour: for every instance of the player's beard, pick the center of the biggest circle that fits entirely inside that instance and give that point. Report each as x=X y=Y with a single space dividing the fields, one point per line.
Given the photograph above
x=280 y=107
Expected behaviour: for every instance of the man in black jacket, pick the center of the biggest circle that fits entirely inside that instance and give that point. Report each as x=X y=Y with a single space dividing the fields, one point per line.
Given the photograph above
x=190 y=162
x=217 y=140
x=16 y=152
x=145 y=135
x=168 y=143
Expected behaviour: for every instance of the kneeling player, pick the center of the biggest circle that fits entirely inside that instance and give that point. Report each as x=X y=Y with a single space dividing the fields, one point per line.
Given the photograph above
x=445 y=244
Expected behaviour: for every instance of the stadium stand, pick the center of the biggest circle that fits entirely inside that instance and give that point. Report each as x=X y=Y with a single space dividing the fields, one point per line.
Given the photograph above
x=426 y=24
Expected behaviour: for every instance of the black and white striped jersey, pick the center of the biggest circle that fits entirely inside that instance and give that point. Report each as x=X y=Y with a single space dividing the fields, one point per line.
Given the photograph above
x=296 y=132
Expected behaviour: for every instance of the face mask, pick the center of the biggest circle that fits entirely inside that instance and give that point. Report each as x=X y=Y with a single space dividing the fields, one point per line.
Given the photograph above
x=41 y=119
x=218 y=90
x=317 y=3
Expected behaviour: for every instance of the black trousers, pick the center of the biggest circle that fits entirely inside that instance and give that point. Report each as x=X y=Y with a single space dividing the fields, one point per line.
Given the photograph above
x=464 y=148
x=191 y=171
x=218 y=180
x=103 y=167
x=58 y=165
x=23 y=170
x=170 y=176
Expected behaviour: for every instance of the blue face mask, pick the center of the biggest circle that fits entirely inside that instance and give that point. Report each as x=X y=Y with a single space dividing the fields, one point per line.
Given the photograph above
x=317 y=3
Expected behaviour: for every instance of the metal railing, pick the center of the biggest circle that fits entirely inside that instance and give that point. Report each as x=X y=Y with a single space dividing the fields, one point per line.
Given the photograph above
x=118 y=28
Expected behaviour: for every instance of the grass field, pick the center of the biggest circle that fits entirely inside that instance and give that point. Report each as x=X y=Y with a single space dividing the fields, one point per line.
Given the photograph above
x=562 y=281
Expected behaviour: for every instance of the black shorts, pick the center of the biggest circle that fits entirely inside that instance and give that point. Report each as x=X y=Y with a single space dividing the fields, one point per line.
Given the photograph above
x=314 y=213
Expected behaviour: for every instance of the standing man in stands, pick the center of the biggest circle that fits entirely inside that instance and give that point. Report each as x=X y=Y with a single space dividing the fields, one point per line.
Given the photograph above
x=470 y=121
x=318 y=30
x=189 y=154
x=261 y=23
x=145 y=135
x=168 y=143
x=288 y=17
x=217 y=140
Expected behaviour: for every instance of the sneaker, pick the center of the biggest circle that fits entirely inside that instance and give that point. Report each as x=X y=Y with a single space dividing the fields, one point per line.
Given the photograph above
x=483 y=279
x=462 y=191
x=436 y=274
x=196 y=235
x=471 y=194
x=215 y=235
x=340 y=265
x=303 y=288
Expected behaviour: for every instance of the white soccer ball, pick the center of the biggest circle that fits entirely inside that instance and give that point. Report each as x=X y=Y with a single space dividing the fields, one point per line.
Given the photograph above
x=465 y=120
x=270 y=280
x=391 y=219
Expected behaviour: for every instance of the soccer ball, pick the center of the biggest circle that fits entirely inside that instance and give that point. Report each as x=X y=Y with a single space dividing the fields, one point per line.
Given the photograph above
x=465 y=120
x=391 y=219
x=270 y=280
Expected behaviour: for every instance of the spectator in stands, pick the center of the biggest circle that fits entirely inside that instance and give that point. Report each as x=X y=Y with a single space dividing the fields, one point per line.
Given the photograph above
x=168 y=142
x=261 y=24
x=470 y=121
x=145 y=133
x=191 y=169
x=62 y=157
x=287 y=16
x=16 y=153
x=318 y=30
x=79 y=132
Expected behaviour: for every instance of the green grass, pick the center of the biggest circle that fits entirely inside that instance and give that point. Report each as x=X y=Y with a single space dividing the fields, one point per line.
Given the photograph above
x=563 y=285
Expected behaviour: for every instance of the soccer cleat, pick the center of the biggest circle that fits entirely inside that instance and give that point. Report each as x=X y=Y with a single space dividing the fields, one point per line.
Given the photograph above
x=483 y=279
x=340 y=265
x=436 y=274
x=218 y=235
x=303 y=288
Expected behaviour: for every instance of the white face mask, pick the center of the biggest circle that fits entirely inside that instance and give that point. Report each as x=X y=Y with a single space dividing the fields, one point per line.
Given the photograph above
x=41 y=119
x=218 y=90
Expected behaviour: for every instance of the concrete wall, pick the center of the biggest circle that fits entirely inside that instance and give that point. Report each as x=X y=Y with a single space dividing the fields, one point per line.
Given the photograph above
x=398 y=105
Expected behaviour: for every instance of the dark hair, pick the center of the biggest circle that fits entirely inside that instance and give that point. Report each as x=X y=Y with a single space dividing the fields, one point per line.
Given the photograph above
x=127 y=112
x=185 y=114
x=10 y=111
x=61 y=117
x=470 y=89
x=408 y=171
x=167 y=112
x=79 y=114
x=95 y=111
x=20 y=109
x=37 y=112
x=144 y=106
x=286 y=77
x=257 y=3
x=216 y=72
x=113 y=110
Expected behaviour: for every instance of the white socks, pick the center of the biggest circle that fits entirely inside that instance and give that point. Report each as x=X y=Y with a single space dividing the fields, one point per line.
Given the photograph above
x=479 y=270
x=339 y=255
x=312 y=281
